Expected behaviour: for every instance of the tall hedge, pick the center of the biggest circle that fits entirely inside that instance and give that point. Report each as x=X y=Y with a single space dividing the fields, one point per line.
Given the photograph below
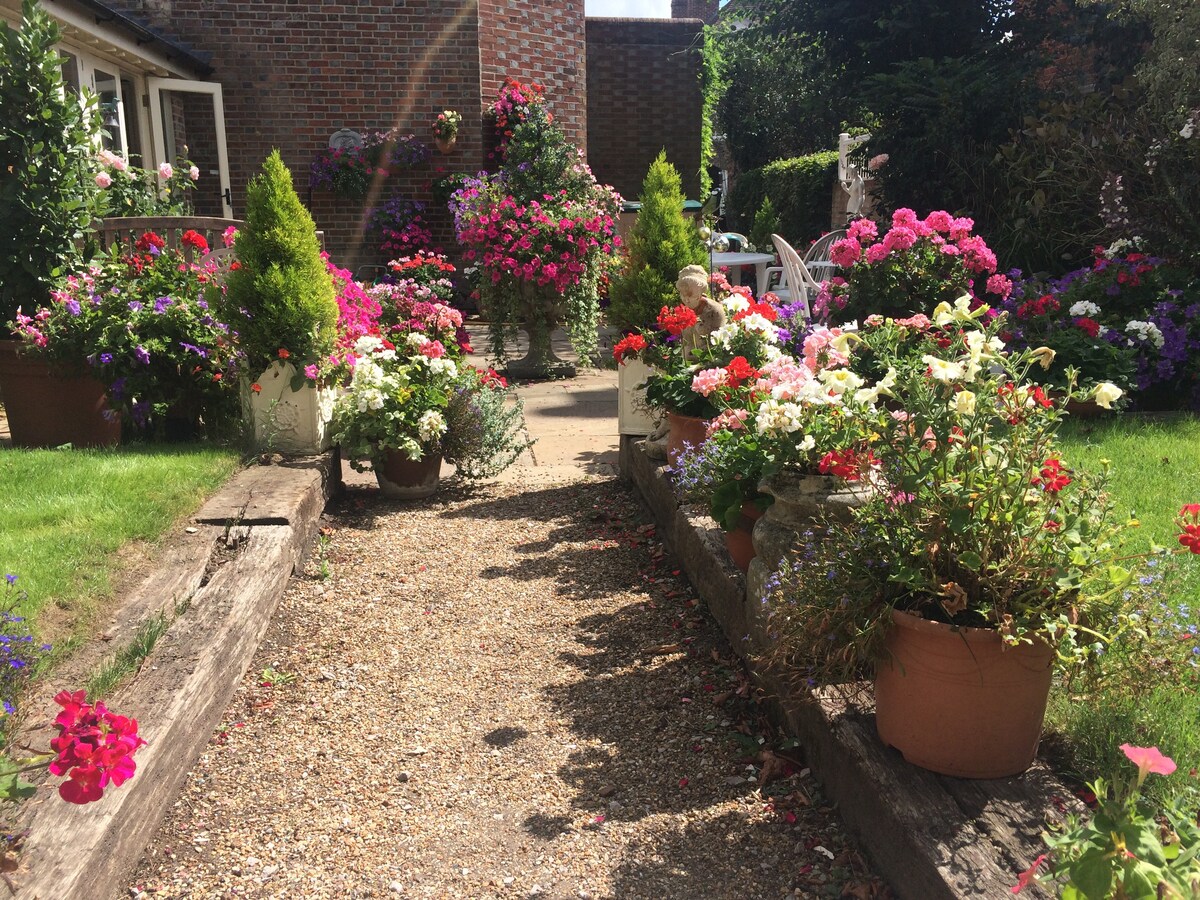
x=660 y=244
x=801 y=192
x=281 y=289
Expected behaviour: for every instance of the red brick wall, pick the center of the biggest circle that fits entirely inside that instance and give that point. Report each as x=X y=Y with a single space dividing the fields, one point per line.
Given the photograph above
x=294 y=72
x=694 y=9
x=541 y=42
x=643 y=97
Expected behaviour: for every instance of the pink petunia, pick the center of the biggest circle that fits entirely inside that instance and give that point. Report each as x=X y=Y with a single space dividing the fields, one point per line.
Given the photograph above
x=1149 y=760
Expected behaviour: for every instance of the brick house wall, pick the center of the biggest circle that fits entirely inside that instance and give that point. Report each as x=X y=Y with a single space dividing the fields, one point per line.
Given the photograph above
x=643 y=96
x=695 y=9
x=539 y=42
x=295 y=72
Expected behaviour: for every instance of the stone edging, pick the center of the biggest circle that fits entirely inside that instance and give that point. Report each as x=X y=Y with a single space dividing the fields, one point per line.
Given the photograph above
x=272 y=512
x=930 y=837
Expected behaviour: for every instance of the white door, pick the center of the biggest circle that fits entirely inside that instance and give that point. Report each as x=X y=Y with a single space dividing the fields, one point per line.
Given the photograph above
x=164 y=140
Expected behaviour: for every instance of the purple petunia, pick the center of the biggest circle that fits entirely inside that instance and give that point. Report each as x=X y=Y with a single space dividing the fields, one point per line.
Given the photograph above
x=142 y=354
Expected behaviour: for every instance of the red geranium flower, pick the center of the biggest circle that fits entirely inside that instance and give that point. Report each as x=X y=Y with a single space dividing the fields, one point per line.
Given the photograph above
x=740 y=370
x=1090 y=327
x=676 y=321
x=628 y=345
x=256 y=387
x=1052 y=478
x=283 y=354
x=194 y=239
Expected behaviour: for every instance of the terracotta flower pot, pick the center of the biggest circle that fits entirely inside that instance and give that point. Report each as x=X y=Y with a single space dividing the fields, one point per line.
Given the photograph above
x=446 y=144
x=401 y=478
x=684 y=430
x=739 y=542
x=960 y=701
x=47 y=409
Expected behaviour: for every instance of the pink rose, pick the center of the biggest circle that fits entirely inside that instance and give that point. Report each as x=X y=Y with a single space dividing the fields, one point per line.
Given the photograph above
x=103 y=180
x=165 y=171
x=194 y=173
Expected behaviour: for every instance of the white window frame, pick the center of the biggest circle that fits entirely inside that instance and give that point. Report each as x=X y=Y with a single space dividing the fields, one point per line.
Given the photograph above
x=156 y=86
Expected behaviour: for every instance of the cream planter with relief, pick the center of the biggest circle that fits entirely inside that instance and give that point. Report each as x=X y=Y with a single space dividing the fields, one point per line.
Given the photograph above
x=633 y=417
x=287 y=420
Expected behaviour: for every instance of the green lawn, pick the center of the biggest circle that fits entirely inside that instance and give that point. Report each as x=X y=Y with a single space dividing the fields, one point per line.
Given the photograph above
x=1145 y=699
x=65 y=515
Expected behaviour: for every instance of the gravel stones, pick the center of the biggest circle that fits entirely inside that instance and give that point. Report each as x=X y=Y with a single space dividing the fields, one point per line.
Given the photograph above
x=503 y=693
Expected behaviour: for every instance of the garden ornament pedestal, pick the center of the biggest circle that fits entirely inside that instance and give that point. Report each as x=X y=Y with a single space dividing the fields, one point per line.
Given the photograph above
x=799 y=499
x=286 y=420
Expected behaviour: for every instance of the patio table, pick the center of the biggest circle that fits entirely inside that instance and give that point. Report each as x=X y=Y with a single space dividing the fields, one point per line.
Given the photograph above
x=735 y=261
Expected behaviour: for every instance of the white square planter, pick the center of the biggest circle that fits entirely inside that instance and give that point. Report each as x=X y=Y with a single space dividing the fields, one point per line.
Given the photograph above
x=633 y=417
x=284 y=420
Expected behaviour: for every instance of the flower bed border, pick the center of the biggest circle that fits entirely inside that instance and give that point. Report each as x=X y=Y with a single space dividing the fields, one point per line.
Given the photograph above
x=80 y=852
x=929 y=836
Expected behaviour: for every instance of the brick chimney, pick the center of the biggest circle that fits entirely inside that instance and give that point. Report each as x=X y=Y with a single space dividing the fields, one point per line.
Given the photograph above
x=695 y=9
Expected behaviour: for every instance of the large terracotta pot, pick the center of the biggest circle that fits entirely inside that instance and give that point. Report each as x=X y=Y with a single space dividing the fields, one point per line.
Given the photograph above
x=47 y=409
x=959 y=701
x=683 y=430
x=739 y=542
x=401 y=478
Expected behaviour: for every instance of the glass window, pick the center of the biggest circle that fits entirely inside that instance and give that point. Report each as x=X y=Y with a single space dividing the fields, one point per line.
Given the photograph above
x=108 y=92
x=132 y=108
x=70 y=71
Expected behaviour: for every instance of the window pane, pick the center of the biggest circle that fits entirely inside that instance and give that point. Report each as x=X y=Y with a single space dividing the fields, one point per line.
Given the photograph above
x=108 y=93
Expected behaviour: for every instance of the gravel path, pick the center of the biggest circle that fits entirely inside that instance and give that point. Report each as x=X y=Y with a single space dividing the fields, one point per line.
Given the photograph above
x=508 y=693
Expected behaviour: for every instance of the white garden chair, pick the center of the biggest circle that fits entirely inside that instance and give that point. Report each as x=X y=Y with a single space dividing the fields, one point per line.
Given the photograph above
x=820 y=266
x=798 y=284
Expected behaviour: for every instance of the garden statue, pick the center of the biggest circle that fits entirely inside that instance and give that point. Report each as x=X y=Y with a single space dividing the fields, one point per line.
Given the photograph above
x=693 y=291
x=710 y=315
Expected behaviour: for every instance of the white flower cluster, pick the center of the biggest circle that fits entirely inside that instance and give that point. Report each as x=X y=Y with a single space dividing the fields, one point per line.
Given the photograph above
x=1084 y=308
x=431 y=426
x=1147 y=331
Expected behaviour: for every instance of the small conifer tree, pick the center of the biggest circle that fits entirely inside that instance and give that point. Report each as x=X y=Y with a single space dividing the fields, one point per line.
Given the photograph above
x=766 y=223
x=660 y=244
x=281 y=294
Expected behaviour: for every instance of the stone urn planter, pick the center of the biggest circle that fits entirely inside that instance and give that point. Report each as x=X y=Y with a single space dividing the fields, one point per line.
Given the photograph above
x=959 y=701
x=46 y=408
x=542 y=311
x=799 y=499
x=288 y=413
x=401 y=478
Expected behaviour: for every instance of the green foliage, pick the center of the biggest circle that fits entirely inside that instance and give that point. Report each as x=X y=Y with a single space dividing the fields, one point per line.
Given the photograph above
x=766 y=223
x=485 y=427
x=713 y=83
x=46 y=141
x=540 y=160
x=282 y=284
x=659 y=246
x=801 y=189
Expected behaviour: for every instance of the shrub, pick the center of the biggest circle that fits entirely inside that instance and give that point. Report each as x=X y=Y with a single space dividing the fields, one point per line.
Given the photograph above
x=46 y=145
x=281 y=293
x=660 y=245
x=800 y=189
x=766 y=223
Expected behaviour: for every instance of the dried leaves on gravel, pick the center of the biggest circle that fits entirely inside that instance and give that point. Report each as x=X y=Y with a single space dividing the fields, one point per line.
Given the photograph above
x=505 y=693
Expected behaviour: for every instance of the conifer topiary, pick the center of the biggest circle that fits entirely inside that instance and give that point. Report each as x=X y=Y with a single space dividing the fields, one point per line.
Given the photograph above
x=766 y=223
x=660 y=244
x=280 y=294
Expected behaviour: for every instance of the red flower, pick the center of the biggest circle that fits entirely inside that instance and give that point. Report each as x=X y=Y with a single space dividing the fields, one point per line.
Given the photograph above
x=1190 y=538
x=676 y=321
x=283 y=354
x=95 y=748
x=766 y=310
x=1029 y=876
x=1039 y=397
x=256 y=387
x=627 y=346
x=740 y=370
x=1053 y=478
x=1090 y=327
x=844 y=464
x=149 y=239
x=194 y=239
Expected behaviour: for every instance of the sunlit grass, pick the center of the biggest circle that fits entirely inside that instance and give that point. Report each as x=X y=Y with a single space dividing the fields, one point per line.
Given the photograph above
x=1154 y=470
x=65 y=515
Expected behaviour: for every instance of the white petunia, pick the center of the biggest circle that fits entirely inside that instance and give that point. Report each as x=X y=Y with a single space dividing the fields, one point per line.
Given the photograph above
x=1106 y=394
x=943 y=370
x=964 y=403
x=839 y=381
x=734 y=304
